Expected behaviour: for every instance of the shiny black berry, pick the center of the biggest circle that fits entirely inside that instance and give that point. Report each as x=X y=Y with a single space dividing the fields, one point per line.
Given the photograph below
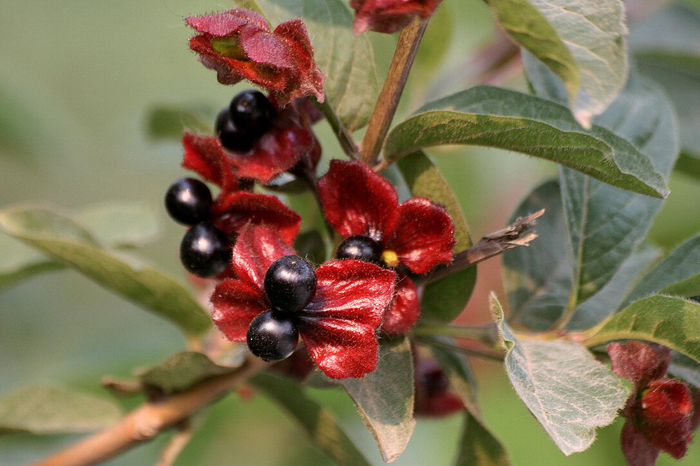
x=360 y=247
x=188 y=201
x=272 y=335
x=290 y=282
x=251 y=112
x=205 y=250
x=230 y=136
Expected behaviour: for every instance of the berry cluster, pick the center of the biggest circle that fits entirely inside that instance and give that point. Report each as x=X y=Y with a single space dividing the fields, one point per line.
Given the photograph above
x=247 y=117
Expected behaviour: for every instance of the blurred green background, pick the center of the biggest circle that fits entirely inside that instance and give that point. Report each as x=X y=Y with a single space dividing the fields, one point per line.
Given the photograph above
x=77 y=81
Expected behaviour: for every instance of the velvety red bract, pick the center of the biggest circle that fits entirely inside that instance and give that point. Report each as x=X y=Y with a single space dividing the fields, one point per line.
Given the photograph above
x=238 y=44
x=233 y=207
x=660 y=410
x=339 y=323
x=357 y=201
x=389 y=16
x=433 y=394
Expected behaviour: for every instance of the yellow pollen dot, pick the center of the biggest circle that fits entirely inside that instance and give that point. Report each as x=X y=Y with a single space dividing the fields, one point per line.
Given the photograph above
x=390 y=258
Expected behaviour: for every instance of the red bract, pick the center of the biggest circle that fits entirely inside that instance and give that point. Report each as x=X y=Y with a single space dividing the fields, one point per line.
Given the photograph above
x=389 y=15
x=660 y=410
x=234 y=207
x=338 y=324
x=239 y=45
x=417 y=234
x=434 y=396
x=288 y=143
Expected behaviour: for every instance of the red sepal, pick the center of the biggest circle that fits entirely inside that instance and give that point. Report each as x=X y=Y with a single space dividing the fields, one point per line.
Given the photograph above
x=231 y=212
x=256 y=248
x=389 y=15
x=639 y=362
x=636 y=447
x=433 y=395
x=423 y=235
x=203 y=154
x=238 y=44
x=357 y=201
x=404 y=309
x=338 y=325
x=665 y=415
x=236 y=303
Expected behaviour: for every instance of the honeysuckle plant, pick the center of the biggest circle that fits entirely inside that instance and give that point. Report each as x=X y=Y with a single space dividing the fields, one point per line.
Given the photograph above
x=345 y=263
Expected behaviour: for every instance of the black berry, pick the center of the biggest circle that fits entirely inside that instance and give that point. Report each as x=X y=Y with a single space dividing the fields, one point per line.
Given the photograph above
x=230 y=136
x=251 y=112
x=360 y=247
x=188 y=201
x=272 y=335
x=205 y=250
x=290 y=282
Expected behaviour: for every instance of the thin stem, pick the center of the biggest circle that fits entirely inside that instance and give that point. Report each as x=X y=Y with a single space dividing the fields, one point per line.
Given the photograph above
x=487 y=354
x=383 y=113
x=487 y=334
x=176 y=444
x=344 y=137
x=150 y=419
x=565 y=316
x=310 y=177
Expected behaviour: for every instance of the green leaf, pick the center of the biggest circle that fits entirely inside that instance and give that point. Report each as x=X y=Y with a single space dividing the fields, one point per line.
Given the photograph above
x=19 y=262
x=385 y=398
x=352 y=85
x=685 y=369
x=167 y=122
x=62 y=239
x=478 y=446
x=506 y=119
x=606 y=224
x=319 y=423
x=443 y=299
x=310 y=245
x=181 y=371
x=564 y=387
x=49 y=410
x=582 y=42
x=538 y=277
x=678 y=274
x=670 y=321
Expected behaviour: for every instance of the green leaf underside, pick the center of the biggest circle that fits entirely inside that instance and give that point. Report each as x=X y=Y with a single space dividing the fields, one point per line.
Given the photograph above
x=181 y=371
x=352 y=85
x=444 y=299
x=168 y=122
x=478 y=446
x=668 y=320
x=319 y=423
x=685 y=369
x=677 y=274
x=49 y=410
x=385 y=398
x=62 y=239
x=581 y=41
x=118 y=224
x=564 y=387
x=501 y=118
x=605 y=223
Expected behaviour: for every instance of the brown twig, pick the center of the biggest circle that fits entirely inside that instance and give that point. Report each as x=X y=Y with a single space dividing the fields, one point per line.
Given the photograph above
x=176 y=444
x=490 y=245
x=150 y=419
x=384 y=110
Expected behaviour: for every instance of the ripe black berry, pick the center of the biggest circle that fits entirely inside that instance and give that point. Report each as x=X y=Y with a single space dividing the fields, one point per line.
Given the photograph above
x=230 y=136
x=251 y=112
x=205 y=250
x=188 y=201
x=290 y=282
x=360 y=247
x=272 y=335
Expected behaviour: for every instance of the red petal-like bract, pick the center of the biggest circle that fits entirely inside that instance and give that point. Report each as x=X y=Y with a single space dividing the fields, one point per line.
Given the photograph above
x=338 y=326
x=232 y=212
x=423 y=235
x=389 y=15
x=433 y=394
x=404 y=310
x=636 y=447
x=203 y=155
x=257 y=247
x=639 y=362
x=665 y=416
x=239 y=45
x=236 y=303
x=357 y=201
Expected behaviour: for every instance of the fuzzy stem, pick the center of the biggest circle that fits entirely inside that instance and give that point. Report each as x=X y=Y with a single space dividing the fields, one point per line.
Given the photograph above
x=344 y=137
x=150 y=419
x=487 y=354
x=487 y=334
x=383 y=113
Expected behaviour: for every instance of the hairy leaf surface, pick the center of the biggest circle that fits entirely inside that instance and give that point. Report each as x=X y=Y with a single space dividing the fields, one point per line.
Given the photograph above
x=181 y=371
